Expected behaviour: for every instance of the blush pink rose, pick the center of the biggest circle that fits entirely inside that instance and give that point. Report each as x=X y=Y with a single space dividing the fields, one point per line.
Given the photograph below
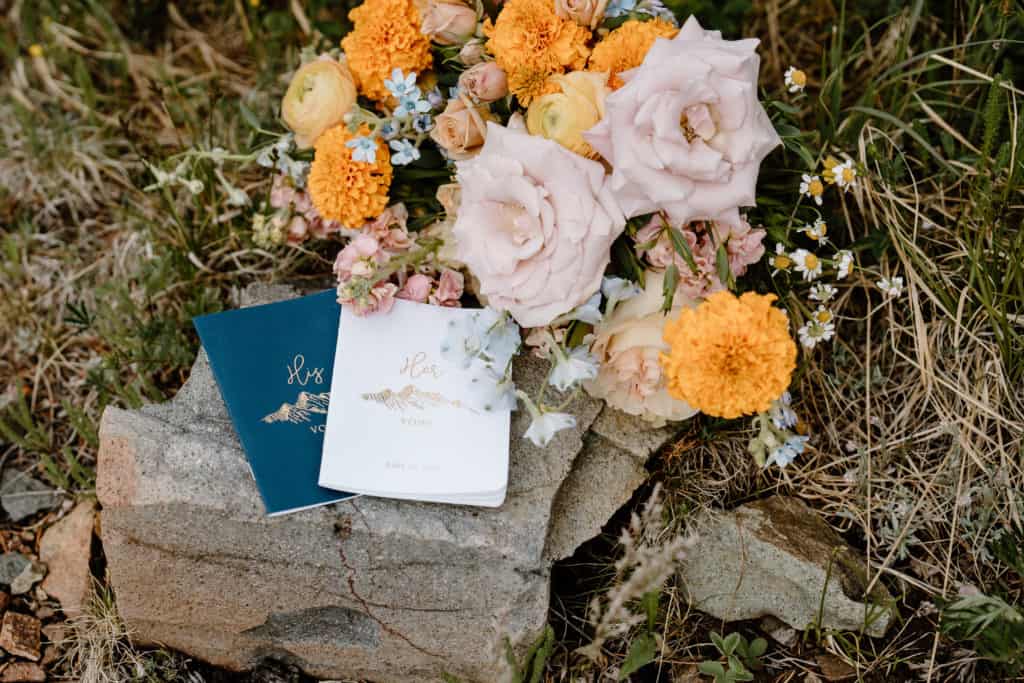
x=535 y=225
x=416 y=288
x=686 y=133
x=389 y=228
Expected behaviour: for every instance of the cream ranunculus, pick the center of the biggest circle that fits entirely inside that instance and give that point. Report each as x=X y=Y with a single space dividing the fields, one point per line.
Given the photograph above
x=564 y=116
x=461 y=128
x=686 y=134
x=536 y=224
x=319 y=96
x=627 y=344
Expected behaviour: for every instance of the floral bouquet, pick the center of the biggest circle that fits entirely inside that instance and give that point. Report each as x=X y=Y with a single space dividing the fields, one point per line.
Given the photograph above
x=577 y=167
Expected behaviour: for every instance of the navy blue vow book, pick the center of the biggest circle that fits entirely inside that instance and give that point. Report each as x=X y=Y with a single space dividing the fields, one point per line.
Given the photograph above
x=274 y=364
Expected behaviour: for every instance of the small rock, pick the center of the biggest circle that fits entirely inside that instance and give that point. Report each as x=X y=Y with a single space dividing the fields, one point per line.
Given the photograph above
x=5 y=601
x=22 y=496
x=777 y=557
x=44 y=613
x=19 y=635
x=778 y=631
x=65 y=549
x=50 y=655
x=55 y=633
x=31 y=575
x=20 y=572
x=23 y=672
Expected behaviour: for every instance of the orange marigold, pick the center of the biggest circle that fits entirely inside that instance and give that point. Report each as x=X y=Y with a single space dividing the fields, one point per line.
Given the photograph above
x=531 y=42
x=386 y=35
x=343 y=189
x=625 y=47
x=730 y=356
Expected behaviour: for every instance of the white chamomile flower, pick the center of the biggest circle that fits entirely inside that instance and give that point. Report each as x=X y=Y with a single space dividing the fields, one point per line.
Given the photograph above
x=817 y=231
x=820 y=328
x=845 y=174
x=811 y=186
x=822 y=292
x=806 y=263
x=779 y=260
x=844 y=264
x=796 y=80
x=892 y=287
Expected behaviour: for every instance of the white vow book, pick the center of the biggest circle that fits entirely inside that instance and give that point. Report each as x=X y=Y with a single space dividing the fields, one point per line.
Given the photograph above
x=401 y=423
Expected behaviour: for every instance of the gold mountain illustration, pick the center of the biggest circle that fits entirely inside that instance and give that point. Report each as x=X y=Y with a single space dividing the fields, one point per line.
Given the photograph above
x=305 y=404
x=412 y=398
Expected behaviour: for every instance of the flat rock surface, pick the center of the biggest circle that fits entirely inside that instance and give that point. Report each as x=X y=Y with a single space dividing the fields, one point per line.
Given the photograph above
x=369 y=588
x=777 y=557
x=65 y=550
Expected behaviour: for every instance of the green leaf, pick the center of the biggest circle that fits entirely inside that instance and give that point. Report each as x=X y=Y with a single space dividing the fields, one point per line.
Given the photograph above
x=641 y=653
x=757 y=648
x=669 y=287
x=682 y=248
x=711 y=668
x=730 y=643
x=724 y=274
x=716 y=638
x=248 y=116
x=650 y=605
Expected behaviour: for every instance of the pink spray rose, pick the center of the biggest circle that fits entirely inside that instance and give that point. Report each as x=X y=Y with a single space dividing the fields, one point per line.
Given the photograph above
x=389 y=228
x=359 y=258
x=449 y=289
x=485 y=82
x=686 y=134
x=535 y=225
x=416 y=288
x=742 y=246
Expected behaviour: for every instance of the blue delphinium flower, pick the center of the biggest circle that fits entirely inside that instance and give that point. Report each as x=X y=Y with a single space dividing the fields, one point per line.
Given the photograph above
x=404 y=152
x=410 y=105
x=363 y=149
x=435 y=98
x=787 y=452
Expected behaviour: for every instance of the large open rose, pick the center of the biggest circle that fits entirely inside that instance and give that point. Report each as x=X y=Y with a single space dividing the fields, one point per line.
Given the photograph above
x=627 y=344
x=536 y=224
x=686 y=134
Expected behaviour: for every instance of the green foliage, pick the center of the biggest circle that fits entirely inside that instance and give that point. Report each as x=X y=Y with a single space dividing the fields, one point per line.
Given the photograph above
x=531 y=669
x=644 y=648
x=996 y=628
x=741 y=658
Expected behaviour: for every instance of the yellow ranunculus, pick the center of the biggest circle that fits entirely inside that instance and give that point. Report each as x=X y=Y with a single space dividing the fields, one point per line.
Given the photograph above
x=319 y=96
x=564 y=116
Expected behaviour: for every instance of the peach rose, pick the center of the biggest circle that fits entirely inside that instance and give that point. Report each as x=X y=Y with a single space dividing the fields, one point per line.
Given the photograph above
x=627 y=344
x=686 y=133
x=485 y=82
x=319 y=96
x=448 y=22
x=536 y=224
x=461 y=128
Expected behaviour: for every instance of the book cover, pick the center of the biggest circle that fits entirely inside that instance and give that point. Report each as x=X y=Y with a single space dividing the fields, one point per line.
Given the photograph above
x=401 y=423
x=273 y=364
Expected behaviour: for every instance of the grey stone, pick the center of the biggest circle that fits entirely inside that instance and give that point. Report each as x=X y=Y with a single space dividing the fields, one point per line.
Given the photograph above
x=22 y=496
x=369 y=588
x=20 y=572
x=777 y=557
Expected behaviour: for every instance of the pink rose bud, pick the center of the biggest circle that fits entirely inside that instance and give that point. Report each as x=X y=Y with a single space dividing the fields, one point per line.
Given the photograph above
x=417 y=288
x=485 y=82
x=298 y=230
x=472 y=52
x=448 y=23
